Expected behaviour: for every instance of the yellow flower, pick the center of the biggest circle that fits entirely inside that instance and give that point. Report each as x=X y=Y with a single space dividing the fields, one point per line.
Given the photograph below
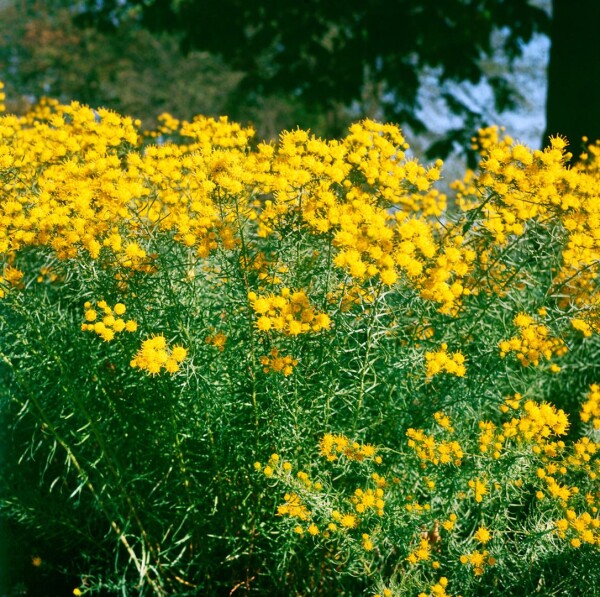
x=118 y=325
x=264 y=323
x=119 y=308
x=482 y=535
x=131 y=326
x=178 y=353
x=349 y=521
x=313 y=529
x=171 y=365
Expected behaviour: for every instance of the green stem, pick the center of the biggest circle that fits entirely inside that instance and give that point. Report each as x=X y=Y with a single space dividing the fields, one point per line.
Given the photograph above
x=48 y=425
x=366 y=364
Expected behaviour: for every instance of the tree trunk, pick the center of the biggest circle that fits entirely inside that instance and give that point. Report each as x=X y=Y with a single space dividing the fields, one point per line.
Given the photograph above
x=573 y=103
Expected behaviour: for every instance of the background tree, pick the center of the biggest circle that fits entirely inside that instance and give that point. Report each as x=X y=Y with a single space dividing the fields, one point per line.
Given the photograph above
x=43 y=51
x=52 y=48
x=370 y=54
x=573 y=105
x=367 y=56
x=312 y=63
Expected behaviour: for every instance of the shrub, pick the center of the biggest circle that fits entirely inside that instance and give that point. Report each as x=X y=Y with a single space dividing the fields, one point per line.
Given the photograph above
x=297 y=367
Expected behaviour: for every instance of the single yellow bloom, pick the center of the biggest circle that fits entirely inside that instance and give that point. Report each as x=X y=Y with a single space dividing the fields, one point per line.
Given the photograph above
x=119 y=308
x=483 y=535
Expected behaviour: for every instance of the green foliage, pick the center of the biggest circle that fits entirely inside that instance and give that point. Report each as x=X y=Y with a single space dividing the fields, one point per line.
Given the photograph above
x=290 y=368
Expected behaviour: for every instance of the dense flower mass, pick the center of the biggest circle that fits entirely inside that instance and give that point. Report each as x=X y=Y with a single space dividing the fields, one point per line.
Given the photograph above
x=533 y=342
x=288 y=312
x=441 y=361
x=155 y=355
x=334 y=446
x=110 y=323
x=590 y=410
x=414 y=369
x=98 y=187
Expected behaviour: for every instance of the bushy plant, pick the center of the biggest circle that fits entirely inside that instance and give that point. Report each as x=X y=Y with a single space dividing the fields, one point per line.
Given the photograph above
x=297 y=368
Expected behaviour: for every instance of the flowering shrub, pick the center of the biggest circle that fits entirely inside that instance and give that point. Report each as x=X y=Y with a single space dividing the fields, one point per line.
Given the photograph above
x=298 y=367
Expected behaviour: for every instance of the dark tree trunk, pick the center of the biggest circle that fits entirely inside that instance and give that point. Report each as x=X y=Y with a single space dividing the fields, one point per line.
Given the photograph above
x=573 y=105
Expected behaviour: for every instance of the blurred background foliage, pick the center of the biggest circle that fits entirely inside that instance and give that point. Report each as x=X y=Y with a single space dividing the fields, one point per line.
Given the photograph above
x=315 y=64
x=47 y=49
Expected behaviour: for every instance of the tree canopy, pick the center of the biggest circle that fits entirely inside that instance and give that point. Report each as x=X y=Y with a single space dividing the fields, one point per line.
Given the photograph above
x=313 y=63
x=351 y=52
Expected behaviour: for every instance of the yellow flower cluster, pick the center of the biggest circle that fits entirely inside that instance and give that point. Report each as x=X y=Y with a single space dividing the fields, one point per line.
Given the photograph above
x=284 y=468
x=420 y=553
x=582 y=528
x=155 y=355
x=293 y=507
x=438 y=589
x=207 y=133
x=554 y=488
x=278 y=364
x=441 y=361
x=269 y=469
x=518 y=174
x=307 y=501
x=442 y=282
x=430 y=450
x=522 y=187
x=167 y=125
x=479 y=487
x=346 y=188
x=450 y=522
x=289 y=312
x=537 y=423
x=346 y=521
x=10 y=278
x=213 y=181
x=68 y=190
x=333 y=446
x=303 y=478
x=367 y=542
x=583 y=326
x=582 y=456
x=416 y=506
x=487 y=437
x=590 y=409
x=2 y=97
x=365 y=499
x=86 y=182
x=511 y=403
x=111 y=322
x=444 y=421
x=533 y=342
x=478 y=560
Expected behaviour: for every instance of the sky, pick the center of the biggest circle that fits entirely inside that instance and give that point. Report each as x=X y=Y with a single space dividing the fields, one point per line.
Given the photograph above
x=528 y=75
